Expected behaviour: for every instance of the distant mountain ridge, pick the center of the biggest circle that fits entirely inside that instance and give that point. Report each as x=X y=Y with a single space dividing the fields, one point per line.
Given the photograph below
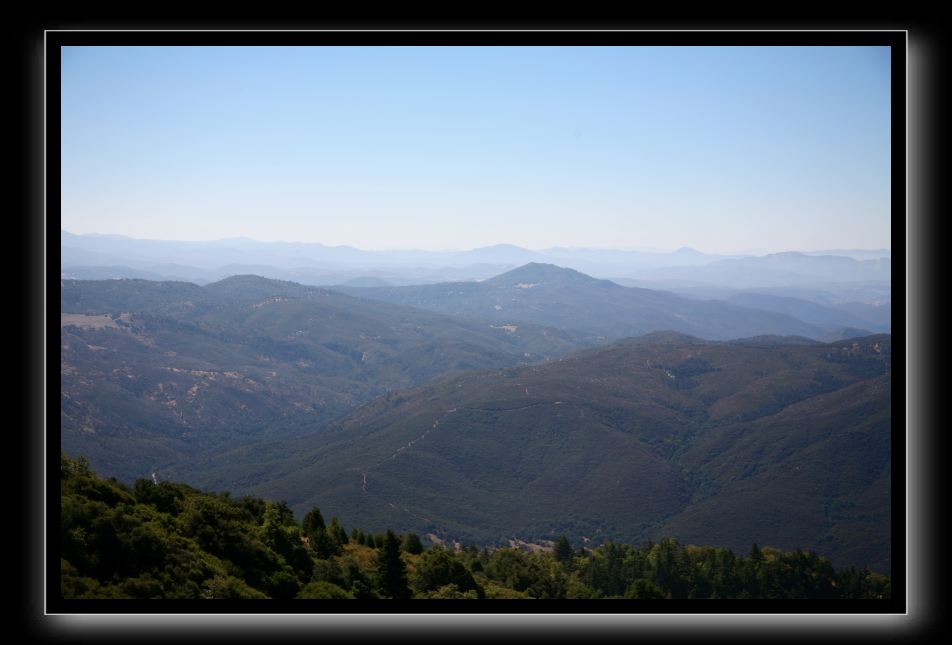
x=560 y=297
x=318 y=264
x=298 y=254
x=777 y=269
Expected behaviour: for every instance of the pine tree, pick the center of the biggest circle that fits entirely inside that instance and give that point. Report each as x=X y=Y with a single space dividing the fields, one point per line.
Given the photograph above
x=562 y=550
x=337 y=533
x=411 y=544
x=313 y=521
x=391 y=571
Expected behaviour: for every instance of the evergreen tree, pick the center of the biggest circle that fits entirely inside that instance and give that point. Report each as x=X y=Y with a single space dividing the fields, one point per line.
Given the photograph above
x=756 y=555
x=337 y=533
x=313 y=521
x=325 y=541
x=391 y=571
x=411 y=544
x=562 y=550
x=324 y=544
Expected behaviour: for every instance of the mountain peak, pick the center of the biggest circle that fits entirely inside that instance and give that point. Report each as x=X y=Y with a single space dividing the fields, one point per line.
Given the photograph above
x=540 y=272
x=255 y=286
x=501 y=246
x=687 y=250
x=246 y=279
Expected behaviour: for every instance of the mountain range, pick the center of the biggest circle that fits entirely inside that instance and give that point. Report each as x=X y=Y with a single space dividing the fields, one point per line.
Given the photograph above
x=604 y=310
x=763 y=440
x=777 y=269
x=153 y=372
x=493 y=410
x=114 y=256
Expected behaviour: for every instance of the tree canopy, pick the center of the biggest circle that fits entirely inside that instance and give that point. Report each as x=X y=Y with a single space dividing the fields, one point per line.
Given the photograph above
x=170 y=540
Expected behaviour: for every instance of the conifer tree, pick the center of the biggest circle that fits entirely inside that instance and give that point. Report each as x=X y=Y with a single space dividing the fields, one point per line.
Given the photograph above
x=411 y=544
x=337 y=532
x=313 y=521
x=391 y=571
x=562 y=550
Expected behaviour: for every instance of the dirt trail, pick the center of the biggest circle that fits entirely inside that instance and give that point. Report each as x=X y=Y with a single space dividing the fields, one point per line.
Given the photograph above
x=396 y=504
x=399 y=504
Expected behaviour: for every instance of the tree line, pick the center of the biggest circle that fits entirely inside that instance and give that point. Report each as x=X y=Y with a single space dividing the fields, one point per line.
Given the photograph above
x=169 y=540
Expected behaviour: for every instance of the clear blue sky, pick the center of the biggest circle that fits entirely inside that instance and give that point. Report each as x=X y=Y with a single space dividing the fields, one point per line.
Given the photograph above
x=722 y=149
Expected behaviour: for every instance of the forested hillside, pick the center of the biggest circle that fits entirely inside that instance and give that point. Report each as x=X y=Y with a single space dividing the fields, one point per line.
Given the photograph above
x=158 y=372
x=775 y=440
x=172 y=541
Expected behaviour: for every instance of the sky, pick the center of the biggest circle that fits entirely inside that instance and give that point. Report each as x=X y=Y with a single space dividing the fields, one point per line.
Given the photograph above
x=722 y=149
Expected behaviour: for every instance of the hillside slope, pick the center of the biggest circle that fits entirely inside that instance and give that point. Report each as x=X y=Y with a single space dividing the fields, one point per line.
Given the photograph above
x=153 y=373
x=726 y=443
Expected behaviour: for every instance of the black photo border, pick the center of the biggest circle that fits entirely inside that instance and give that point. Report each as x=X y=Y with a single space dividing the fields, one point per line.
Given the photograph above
x=556 y=618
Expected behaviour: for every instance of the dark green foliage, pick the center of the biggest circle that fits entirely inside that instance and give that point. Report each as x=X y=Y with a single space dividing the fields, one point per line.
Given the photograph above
x=312 y=521
x=854 y=583
x=118 y=542
x=391 y=570
x=164 y=496
x=439 y=568
x=229 y=587
x=323 y=544
x=642 y=589
x=255 y=507
x=283 y=536
x=510 y=567
x=563 y=549
x=452 y=592
x=362 y=590
x=337 y=533
x=611 y=566
x=171 y=541
x=324 y=541
x=73 y=468
x=323 y=591
x=331 y=571
x=411 y=544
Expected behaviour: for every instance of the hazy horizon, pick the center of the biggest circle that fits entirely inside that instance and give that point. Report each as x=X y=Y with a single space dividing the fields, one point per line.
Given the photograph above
x=642 y=249
x=727 y=150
